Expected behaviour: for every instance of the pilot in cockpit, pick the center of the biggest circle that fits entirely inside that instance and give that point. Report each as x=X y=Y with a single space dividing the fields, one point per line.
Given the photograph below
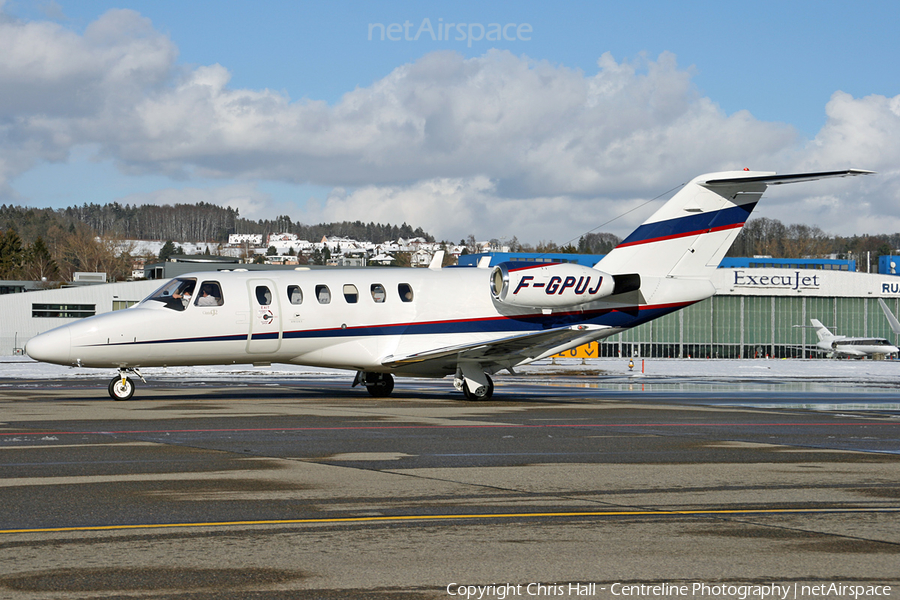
x=184 y=292
x=209 y=295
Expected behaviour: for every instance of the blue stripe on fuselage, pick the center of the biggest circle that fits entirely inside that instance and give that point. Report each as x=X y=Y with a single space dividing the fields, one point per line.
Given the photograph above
x=626 y=317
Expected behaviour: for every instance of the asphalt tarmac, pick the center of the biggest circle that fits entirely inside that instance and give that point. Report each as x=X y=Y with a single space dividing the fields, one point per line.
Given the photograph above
x=561 y=487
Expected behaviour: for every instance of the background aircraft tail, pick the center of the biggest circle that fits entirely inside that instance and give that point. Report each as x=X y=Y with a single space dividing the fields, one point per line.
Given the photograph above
x=892 y=320
x=690 y=234
x=822 y=332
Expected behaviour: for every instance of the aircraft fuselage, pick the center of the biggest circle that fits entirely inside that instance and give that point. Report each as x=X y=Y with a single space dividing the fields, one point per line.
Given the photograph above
x=350 y=318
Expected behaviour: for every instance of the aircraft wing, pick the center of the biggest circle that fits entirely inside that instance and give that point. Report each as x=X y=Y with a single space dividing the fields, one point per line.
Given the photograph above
x=502 y=353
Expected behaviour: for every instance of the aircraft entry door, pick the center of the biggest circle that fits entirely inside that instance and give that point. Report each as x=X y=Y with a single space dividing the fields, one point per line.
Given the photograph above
x=265 y=317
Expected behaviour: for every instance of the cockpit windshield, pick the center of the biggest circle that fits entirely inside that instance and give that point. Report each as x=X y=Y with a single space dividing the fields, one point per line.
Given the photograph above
x=176 y=294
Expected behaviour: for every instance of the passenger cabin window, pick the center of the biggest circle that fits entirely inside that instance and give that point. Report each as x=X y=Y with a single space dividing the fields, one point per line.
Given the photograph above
x=175 y=294
x=323 y=294
x=295 y=295
x=263 y=295
x=351 y=294
x=378 y=293
x=406 y=293
x=210 y=294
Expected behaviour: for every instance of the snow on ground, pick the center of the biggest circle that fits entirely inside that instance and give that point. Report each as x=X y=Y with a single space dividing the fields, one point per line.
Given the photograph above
x=22 y=367
x=884 y=371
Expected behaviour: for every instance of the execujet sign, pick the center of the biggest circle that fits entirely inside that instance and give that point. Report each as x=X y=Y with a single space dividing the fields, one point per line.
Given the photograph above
x=792 y=280
x=804 y=282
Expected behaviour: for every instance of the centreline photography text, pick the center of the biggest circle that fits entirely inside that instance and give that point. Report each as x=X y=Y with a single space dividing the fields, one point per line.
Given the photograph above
x=696 y=589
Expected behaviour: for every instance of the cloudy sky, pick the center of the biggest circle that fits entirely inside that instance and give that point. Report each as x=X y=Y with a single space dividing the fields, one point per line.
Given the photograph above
x=515 y=118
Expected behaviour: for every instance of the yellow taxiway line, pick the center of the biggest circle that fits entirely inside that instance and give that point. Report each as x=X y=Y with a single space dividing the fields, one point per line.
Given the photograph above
x=413 y=518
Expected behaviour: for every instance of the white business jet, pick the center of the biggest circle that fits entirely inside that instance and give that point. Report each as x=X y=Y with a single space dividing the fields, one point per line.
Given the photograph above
x=858 y=347
x=841 y=345
x=892 y=320
x=466 y=322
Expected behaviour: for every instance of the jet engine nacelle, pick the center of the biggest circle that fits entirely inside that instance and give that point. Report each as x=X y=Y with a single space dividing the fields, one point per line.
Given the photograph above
x=549 y=286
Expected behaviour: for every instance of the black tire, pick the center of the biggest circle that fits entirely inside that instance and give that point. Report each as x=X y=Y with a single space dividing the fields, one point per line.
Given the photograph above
x=379 y=385
x=121 y=390
x=486 y=395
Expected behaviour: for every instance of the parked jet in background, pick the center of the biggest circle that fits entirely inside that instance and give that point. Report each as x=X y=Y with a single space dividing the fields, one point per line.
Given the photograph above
x=859 y=347
x=892 y=320
x=466 y=322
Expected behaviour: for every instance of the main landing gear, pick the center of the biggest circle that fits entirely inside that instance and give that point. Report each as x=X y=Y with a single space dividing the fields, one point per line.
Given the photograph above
x=379 y=385
x=122 y=387
x=484 y=392
x=473 y=382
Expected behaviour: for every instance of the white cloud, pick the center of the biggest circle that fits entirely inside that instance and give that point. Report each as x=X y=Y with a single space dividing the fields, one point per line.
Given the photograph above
x=497 y=145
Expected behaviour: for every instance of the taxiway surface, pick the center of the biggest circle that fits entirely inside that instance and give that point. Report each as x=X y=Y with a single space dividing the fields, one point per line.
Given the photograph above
x=279 y=489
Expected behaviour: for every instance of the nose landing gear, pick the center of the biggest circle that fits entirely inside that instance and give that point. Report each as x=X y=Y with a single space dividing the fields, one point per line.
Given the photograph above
x=122 y=387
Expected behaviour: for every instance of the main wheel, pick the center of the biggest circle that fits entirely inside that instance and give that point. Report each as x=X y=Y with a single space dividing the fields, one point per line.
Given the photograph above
x=120 y=389
x=486 y=391
x=379 y=385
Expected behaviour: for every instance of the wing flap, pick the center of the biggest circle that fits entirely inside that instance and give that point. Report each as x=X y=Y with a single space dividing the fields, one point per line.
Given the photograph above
x=511 y=349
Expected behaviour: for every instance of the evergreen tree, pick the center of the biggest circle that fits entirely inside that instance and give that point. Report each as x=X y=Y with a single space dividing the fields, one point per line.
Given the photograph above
x=39 y=262
x=12 y=255
x=167 y=250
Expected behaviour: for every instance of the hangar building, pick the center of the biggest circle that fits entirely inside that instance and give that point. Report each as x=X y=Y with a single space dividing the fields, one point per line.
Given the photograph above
x=762 y=307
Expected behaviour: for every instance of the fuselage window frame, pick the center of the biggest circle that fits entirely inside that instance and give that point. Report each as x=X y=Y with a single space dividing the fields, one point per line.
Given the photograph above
x=263 y=295
x=379 y=294
x=351 y=294
x=406 y=292
x=175 y=294
x=323 y=294
x=295 y=294
x=214 y=295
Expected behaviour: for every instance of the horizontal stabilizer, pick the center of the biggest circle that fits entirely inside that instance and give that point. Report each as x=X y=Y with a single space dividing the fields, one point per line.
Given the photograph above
x=775 y=179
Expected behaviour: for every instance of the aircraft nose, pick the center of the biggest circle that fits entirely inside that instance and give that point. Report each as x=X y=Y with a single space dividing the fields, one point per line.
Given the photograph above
x=53 y=346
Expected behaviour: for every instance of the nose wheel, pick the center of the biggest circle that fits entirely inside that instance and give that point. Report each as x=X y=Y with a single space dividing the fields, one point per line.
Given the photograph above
x=122 y=386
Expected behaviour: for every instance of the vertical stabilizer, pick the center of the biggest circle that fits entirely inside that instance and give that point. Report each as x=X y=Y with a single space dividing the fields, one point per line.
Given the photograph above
x=822 y=332
x=892 y=320
x=690 y=234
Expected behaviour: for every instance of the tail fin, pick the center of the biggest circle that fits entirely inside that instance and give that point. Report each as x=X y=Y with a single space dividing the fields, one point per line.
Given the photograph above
x=822 y=332
x=892 y=320
x=691 y=233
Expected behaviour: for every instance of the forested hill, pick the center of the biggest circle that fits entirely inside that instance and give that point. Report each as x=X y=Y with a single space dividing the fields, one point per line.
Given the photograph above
x=183 y=223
